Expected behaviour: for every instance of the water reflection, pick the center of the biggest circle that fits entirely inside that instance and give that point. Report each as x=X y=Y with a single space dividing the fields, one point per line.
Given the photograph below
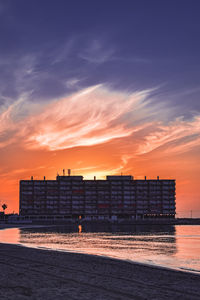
x=79 y=228
x=172 y=246
x=10 y=236
x=102 y=228
x=122 y=241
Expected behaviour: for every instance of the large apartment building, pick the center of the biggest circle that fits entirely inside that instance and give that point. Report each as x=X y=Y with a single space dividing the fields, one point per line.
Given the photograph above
x=114 y=198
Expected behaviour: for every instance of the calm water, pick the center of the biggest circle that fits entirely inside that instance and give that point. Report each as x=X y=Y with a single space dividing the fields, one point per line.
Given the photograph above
x=175 y=247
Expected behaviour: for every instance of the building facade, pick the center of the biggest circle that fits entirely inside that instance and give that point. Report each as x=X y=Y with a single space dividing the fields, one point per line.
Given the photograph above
x=114 y=198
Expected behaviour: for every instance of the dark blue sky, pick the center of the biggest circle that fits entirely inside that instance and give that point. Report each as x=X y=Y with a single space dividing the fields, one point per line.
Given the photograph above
x=51 y=48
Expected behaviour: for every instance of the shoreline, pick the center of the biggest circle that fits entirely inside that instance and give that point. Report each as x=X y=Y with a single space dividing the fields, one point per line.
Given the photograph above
x=145 y=263
x=151 y=265
x=45 y=222
x=96 y=223
x=40 y=274
x=10 y=226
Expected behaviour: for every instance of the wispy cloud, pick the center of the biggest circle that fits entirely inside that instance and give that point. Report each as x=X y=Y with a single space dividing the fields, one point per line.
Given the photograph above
x=178 y=135
x=72 y=82
x=89 y=117
x=17 y=173
x=63 y=53
x=132 y=59
x=93 y=116
x=96 y=53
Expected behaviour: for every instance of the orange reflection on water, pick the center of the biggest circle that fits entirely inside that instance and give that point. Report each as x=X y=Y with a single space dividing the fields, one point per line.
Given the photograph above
x=10 y=236
x=176 y=247
x=79 y=228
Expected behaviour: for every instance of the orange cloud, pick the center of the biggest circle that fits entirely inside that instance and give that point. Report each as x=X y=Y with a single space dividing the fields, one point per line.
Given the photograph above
x=179 y=135
x=97 y=131
x=89 y=117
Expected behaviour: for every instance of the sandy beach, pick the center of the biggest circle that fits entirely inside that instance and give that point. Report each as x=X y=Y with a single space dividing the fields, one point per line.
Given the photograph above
x=28 y=273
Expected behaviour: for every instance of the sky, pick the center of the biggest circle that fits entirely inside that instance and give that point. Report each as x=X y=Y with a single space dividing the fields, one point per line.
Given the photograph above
x=100 y=87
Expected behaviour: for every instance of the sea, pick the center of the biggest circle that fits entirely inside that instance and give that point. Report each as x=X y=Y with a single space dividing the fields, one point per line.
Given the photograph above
x=172 y=246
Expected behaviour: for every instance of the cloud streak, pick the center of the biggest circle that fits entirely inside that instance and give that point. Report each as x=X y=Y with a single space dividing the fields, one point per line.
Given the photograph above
x=96 y=53
x=89 y=117
x=177 y=136
x=93 y=116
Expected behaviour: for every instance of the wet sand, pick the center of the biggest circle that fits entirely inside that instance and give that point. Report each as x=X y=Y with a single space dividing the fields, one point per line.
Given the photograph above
x=28 y=273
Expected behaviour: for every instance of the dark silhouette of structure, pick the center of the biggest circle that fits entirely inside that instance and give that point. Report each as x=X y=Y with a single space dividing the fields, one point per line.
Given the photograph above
x=117 y=197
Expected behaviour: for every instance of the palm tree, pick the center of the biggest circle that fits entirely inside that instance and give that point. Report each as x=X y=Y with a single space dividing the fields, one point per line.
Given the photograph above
x=4 y=206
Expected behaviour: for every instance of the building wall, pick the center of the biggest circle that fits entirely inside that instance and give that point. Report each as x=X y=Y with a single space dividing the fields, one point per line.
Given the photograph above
x=120 y=196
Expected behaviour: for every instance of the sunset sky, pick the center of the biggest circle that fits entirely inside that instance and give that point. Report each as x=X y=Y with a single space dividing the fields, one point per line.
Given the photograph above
x=101 y=87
